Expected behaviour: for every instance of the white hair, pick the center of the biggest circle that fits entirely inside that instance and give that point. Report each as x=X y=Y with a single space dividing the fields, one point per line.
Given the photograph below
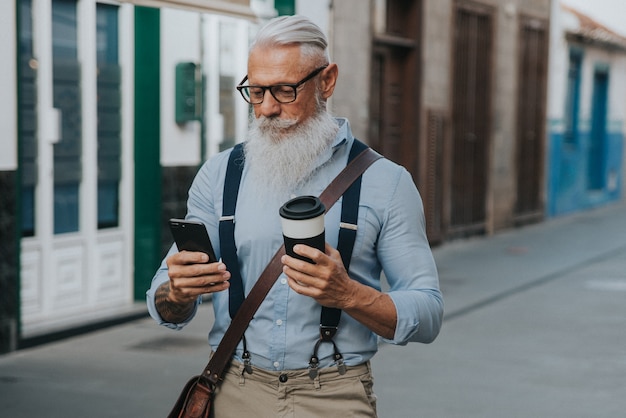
x=298 y=30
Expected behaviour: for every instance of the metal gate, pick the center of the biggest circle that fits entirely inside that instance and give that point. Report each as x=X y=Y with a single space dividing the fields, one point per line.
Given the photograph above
x=471 y=118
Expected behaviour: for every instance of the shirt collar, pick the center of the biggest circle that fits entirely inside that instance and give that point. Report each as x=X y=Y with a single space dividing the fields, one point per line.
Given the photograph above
x=344 y=135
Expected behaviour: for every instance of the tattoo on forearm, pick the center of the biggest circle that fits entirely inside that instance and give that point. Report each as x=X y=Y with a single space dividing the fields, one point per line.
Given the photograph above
x=169 y=311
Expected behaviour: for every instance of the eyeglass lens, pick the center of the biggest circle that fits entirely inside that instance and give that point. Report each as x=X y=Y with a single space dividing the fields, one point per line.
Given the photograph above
x=283 y=93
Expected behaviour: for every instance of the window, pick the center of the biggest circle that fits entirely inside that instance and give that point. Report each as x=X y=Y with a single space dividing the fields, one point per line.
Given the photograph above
x=109 y=115
x=572 y=101
x=27 y=118
x=67 y=98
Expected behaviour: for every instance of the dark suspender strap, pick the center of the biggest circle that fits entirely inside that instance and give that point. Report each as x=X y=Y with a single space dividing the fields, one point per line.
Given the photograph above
x=329 y=318
x=350 y=211
x=228 y=250
x=213 y=371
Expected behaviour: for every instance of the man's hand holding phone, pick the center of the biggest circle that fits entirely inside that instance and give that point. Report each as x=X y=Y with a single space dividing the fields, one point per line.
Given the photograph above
x=192 y=275
x=194 y=270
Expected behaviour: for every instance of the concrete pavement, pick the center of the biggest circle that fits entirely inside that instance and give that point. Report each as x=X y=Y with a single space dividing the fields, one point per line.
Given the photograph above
x=535 y=327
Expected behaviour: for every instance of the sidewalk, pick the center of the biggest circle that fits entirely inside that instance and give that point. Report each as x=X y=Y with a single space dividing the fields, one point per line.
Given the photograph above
x=535 y=326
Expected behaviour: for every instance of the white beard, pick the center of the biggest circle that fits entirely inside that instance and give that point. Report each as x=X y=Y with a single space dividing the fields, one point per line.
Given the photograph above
x=283 y=154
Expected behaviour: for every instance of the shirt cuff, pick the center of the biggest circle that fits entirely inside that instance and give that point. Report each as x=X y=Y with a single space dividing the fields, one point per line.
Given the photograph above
x=407 y=312
x=154 y=313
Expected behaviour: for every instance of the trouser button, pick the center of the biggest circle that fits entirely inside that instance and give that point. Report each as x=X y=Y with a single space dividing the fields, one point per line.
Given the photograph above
x=283 y=378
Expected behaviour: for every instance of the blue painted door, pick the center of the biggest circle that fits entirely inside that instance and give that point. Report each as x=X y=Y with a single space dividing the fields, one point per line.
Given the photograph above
x=597 y=141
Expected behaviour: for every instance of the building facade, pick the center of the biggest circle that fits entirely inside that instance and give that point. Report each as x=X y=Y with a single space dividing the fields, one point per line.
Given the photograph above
x=587 y=111
x=455 y=91
x=9 y=237
x=115 y=104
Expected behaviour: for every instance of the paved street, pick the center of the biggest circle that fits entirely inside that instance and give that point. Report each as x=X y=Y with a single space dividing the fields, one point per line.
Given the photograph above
x=535 y=327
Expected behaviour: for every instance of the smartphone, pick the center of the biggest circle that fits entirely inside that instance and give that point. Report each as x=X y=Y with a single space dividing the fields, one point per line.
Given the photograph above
x=192 y=236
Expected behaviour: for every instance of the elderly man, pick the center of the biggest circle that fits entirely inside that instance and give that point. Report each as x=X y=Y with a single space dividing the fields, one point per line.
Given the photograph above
x=295 y=147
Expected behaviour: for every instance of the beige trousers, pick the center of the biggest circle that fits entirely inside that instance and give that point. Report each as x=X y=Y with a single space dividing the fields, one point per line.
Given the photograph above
x=293 y=394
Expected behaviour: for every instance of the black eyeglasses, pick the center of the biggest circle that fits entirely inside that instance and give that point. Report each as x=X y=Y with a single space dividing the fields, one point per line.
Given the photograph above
x=283 y=93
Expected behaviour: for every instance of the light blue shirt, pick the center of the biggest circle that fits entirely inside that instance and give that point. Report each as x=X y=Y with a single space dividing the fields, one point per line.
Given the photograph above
x=391 y=238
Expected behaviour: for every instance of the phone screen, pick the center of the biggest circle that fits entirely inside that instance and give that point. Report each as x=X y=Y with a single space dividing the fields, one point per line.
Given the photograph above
x=192 y=236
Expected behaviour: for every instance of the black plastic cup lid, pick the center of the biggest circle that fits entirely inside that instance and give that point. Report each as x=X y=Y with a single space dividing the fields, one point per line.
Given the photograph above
x=302 y=208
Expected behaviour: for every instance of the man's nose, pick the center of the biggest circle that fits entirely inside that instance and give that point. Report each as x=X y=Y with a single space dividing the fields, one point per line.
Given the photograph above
x=269 y=107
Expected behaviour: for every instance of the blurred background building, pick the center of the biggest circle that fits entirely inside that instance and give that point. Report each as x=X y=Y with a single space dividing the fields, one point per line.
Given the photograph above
x=504 y=112
x=587 y=111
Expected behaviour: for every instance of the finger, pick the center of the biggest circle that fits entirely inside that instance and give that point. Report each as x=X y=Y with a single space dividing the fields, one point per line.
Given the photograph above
x=200 y=285
x=332 y=252
x=215 y=273
x=194 y=276
x=193 y=257
x=309 y=252
x=302 y=279
x=303 y=285
x=293 y=266
x=186 y=257
x=191 y=293
x=213 y=287
x=300 y=287
x=201 y=278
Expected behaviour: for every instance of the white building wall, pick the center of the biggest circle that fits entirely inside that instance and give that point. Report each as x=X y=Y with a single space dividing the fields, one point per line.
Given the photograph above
x=233 y=54
x=617 y=92
x=317 y=11
x=220 y=44
x=594 y=57
x=557 y=70
x=264 y=9
x=615 y=63
x=350 y=36
x=562 y=22
x=8 y=83
x=180 y=42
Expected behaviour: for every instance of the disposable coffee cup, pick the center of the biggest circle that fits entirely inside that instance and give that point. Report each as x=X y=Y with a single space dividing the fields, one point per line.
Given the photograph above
x=302 y=221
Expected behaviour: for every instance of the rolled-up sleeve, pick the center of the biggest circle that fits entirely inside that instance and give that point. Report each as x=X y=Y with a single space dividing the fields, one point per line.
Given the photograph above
x=409 y=266
x=199 y=208
x=159 y=278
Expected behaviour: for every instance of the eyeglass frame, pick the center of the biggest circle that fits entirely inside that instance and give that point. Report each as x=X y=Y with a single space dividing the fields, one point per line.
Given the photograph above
x=294 y=86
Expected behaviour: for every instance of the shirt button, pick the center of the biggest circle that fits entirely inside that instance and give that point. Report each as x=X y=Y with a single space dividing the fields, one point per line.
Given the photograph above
x=283 y=378
x=283 y=281
x=279 y=322
x=276 y=364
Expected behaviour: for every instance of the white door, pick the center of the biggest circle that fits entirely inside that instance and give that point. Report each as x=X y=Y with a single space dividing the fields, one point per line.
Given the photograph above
x=75 y=109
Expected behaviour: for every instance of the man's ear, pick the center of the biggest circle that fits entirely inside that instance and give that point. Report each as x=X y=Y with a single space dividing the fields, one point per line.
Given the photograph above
x=328 y=80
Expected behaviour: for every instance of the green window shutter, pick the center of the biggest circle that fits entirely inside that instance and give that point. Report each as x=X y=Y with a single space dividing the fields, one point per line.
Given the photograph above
x=285 y=7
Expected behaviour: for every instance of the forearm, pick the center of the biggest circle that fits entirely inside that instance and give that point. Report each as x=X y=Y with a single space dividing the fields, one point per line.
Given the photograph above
x=375 y=310
x=171 y=312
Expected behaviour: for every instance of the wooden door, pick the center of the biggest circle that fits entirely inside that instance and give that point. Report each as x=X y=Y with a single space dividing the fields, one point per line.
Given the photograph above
x=394 y=101
x=596 y=157
x=471 y=118
x=531 y=109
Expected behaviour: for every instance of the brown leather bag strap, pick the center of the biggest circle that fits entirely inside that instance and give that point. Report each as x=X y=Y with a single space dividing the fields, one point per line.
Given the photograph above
x=220 y=359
